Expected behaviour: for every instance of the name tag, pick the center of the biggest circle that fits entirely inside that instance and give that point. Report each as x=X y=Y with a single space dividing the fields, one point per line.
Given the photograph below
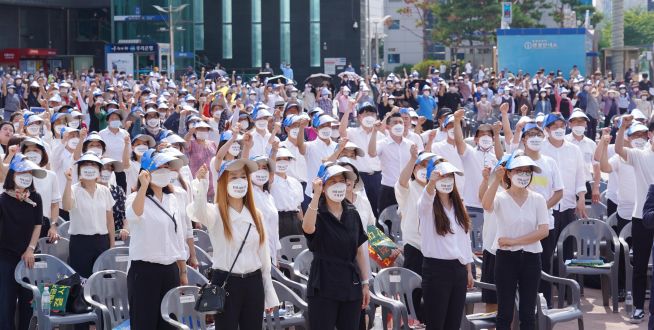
x=395 y=278
x=122 y=258
x=195 y=239
x=296 y=246
x=187 y=299
x=41 y=264
x=118 y=243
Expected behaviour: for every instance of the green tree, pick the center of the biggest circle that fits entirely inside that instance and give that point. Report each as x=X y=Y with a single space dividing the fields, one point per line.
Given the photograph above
x=579 y=9
x=638 y=29
x=465 y=21
x=528 y=13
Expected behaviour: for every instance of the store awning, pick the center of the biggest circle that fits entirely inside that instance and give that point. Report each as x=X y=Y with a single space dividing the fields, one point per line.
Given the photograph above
x=15 y=54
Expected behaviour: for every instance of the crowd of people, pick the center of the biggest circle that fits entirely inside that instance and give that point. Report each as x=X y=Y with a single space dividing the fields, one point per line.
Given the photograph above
x=253 y=160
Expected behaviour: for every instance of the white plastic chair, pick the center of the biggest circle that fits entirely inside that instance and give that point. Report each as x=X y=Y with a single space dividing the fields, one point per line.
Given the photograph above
x=58 y=248
x=113 y=259
x=201 y=239
x=106 y=291
x=178 y=308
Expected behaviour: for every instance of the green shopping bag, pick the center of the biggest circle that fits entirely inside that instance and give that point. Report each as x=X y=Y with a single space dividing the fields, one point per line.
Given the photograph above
x=58 y=297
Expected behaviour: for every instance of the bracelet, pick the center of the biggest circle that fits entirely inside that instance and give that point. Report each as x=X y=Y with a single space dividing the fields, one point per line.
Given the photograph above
x=312 y=208
x=32 y=247
x=53 y=224
x=365 y=282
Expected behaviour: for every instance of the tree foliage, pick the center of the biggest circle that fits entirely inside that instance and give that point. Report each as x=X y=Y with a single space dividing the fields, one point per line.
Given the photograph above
x=465 y=21
x=638 y=29
x=580 y=11
x=528 y=13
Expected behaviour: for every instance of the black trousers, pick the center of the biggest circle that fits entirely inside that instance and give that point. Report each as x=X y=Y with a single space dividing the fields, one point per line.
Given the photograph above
x=591 y=130
x=621 y=268
x=611 y=207
x=641 y=244
x=488 y=276
x=372 y=183
x=327 y=314
x=121 y=180
x=289 y=223
x=561 y=220
x=9 y=292
x=444 y=292
x=84 y=250
x=549 y=245
x=245 y=304
x=386 y=198
x=413 y=260
x=147 y=283
x=516 y=270
x=45 y=227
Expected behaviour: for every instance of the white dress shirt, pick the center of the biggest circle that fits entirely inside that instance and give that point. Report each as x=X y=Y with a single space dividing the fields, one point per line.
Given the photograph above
x=254 y=256
x=132 y=176
x=587 y=148
x=625 y=182
x=317 y=150
x=393 y=157
x=362 y=204
x=547 y=181
x=61 y=161
x=451 y=154
x=260 y=145
x=474 y=160
x=417 y=140
x=361 y=138
x=264 y=202
x=515 y=221
x=88 y=216
x=297 y=168
x=612 y=185
x=451 y=246
x=642 y=161
x=286 y=193
x=115 y=143
x=48 y=188
x=572 y=170
x=406 y=204
x=152 y=235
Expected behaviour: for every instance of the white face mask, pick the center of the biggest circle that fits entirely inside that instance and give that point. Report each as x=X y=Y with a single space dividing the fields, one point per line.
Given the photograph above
x=153 y=122
x=89 y=173
x=217 y=114
x=234 y=149
x=282 y=166
x=325 y=133
x=260 y=177
x=34 y=156
x=558 y=134
x=391 y=102
x=368 y=121
x=261 y=124
x=115 y=124
x=23 y=180
x=140 y=149
x=73 y=124
x=335 y=133
x=105 y=175
x=535 y=143
x=237 y=188
x=450 y=133
x=17 y=127
x=485 y=142
x=160 y=177
x=638 y=143
x=202 y=135
x=445 y=185
x=578 y=130
x=72 y=143
x=244 y=124
x=33 y=130
x=421 y=175
x=397 y=130
x=58 y=128
x=294 y=132
x=336 y=192
x=96 y=151
x=521 y=180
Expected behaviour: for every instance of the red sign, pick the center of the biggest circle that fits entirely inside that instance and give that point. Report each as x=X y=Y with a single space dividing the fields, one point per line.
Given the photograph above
x=15 y=54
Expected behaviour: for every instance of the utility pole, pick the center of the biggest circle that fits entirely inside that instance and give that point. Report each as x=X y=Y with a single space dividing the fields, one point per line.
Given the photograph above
x=171 y=29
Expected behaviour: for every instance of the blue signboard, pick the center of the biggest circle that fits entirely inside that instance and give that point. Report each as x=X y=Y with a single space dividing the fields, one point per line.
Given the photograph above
x=131 y=48
x=551 y=49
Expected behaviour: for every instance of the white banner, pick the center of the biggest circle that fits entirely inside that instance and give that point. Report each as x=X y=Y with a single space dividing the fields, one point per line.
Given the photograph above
x=120 y=62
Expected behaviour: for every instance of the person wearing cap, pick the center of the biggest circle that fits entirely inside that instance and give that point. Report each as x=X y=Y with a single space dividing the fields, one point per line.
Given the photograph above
x=578 y=125
x=642 y=237
x=157 y=252
x=262 y=138
x=369 y=167
x=610 y=106
x=444 y=228
x=542 y=103
x=274 y=94
x=140 y=144
x=318 y=149
x=592 y=109
x=426 y=105
x=33 y=126
x=644 y=103
x=117 y=142
x=409 y=133
x=199 y=148
x=344 y=104
x=233 y=220
x=522 y=221
x=572 y=172
x=11 y=98
x=484 y=108
x=22 y=214
x=337 y=288
x=109 y=166
x=288 y=194
x=262 y=182
x=90 y=207
x=449 y=148
x=61 y=158
x=34 y=149
x=218 y=118
x=324 y=101
x=393 y=151
x=294 y=126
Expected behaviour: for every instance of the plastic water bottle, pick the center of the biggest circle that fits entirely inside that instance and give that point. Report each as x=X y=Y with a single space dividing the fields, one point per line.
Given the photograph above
x=45 y=301
x=290 y=309
x=629 y=304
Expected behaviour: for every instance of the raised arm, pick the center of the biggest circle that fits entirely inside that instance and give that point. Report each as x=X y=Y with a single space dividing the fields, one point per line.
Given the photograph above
x=372 y=145
x=506 y=124
x=619 y=137
x=601 y=154
x=489 y=197
x=309 y=221
x=458 y=132
x=405 y=175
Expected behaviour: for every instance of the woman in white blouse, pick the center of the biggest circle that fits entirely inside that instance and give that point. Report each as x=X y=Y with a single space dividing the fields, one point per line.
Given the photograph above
x=140 y=144
x=156 y=252
x=288 y=194
x=262 y=179
x=522 y=221
x=90 y=206
x=232 y=220
x=445 y=241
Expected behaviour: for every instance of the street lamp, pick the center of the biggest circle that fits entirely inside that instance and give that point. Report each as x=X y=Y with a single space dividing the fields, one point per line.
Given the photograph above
x=376 y=21
x=170 y=10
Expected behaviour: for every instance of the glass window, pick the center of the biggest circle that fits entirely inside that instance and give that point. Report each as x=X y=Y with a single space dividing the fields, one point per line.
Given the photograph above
x=393 y=58
x=256 y=33
x=198 y=24
x=314 y=33
x=285 y=30
x=227 y=28
x=395 y=25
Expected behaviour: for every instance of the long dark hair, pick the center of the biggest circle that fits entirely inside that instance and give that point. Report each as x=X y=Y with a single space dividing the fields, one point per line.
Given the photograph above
x=442 y=222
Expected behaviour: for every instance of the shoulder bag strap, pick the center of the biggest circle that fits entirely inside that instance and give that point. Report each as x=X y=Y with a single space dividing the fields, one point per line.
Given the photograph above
x=164 y=211
x=237 y=254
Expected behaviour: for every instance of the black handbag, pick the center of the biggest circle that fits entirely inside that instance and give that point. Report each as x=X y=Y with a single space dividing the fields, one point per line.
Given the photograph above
x=212 y=297
x=76 y=303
